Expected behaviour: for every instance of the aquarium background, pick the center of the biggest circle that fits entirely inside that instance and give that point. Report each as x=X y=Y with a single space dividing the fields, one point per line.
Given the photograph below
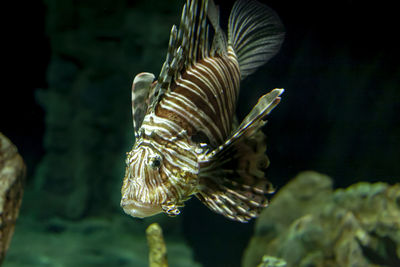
x=65 y=104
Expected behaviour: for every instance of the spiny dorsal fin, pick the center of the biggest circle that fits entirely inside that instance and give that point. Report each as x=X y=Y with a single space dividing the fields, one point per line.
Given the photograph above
x=193 y=32
x=141 y=92
x=186 y=45
x=255 y=32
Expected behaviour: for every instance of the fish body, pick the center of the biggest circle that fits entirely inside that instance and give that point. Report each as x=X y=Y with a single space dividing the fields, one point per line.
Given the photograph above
x=187 y=139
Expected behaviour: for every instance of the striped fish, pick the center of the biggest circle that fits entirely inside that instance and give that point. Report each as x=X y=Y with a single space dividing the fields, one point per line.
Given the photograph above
x=187 y=139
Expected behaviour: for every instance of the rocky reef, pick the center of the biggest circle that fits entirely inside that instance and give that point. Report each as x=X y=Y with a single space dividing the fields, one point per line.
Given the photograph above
x=310 y=224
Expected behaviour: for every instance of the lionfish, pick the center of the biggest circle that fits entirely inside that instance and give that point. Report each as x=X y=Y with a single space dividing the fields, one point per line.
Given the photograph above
x=187 y=139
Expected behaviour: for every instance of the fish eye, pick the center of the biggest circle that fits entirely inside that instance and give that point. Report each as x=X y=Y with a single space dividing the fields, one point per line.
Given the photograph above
x=155 y=162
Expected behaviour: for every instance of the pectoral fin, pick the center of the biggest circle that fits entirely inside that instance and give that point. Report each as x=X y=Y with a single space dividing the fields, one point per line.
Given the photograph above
x=232 y=177
x=253 y=121
x=141 y=91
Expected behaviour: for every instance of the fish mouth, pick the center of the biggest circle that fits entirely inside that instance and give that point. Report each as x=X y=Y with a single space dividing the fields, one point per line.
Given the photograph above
x=138 y=209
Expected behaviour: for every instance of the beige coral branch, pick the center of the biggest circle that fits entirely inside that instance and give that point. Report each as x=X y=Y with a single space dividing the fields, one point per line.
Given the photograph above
x=157 y=248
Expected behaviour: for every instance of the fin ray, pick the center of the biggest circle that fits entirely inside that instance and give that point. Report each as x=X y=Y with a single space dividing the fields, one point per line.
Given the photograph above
x=253 y=121
x=141 y=92
x=232 y=180
x=233 y=184
x=187 y=44
x=256 y=34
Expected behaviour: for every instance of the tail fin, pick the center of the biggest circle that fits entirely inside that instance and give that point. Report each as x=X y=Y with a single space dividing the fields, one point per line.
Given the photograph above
x=256 y=34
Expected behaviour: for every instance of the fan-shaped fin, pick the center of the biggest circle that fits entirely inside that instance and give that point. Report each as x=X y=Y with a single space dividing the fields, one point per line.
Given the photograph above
x=256 y=34
x=232 y=180
x=233 y=184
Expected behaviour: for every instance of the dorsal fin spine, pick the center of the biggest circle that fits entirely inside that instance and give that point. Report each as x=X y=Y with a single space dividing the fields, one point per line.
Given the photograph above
x=187 y=44
x=171 y=44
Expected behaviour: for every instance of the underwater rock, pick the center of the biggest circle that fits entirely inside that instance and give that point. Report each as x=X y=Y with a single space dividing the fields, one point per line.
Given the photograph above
x=268 y=261
x=309 y=224
x=157 y=248
x=12 y=175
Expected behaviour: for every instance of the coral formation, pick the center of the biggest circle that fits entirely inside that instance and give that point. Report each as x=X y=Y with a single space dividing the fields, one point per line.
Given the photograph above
x=157 y=248
x=309 y=224
x=12 y=175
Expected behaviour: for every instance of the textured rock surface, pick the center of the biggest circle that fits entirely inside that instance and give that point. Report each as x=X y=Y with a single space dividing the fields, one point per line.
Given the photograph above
x=12 y=175
x=268 y=261
x=309 y=224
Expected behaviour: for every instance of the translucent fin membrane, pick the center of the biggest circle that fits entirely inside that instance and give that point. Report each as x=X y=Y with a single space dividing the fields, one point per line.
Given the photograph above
x=256 y=34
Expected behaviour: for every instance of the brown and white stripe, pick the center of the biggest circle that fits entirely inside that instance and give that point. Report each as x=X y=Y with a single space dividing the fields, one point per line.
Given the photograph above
x=204 y=98
x=183 y=121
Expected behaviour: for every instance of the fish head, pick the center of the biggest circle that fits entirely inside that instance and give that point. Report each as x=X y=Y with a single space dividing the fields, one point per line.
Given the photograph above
x=152 y=185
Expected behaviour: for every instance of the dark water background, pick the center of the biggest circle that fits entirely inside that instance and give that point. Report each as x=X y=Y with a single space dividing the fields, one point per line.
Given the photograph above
x=339 y=114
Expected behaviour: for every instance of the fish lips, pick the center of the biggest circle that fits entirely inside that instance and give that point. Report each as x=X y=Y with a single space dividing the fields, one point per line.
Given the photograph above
x=138 y=209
